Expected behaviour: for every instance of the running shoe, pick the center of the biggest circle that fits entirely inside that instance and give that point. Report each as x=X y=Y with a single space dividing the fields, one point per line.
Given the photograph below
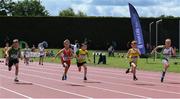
x=85 y=78
x=135 y=78
x=127 y=71
x=16 y=80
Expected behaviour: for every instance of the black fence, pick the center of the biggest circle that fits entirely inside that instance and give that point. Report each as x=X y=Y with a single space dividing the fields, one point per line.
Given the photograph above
x=99 y=32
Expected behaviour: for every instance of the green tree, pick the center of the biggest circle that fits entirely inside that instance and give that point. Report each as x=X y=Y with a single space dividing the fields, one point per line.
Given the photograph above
x=81 y=14
x=29 y=8
x=67 y=12
x=164 y=16
x=70 y=12
x=6 y=7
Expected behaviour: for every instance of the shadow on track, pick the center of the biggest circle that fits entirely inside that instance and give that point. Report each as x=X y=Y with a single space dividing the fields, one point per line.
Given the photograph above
x=23 y=83
x=145 y=84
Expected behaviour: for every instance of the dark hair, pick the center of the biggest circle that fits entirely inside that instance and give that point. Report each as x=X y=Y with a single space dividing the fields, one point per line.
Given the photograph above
x=83 y=44
x=134 y=42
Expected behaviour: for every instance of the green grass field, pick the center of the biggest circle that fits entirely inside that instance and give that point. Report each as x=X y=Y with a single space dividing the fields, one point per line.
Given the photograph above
x=118 y=62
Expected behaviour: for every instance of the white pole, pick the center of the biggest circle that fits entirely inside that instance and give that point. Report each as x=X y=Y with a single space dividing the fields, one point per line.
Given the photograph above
x=156 y=33
x=179 y=37
x=157 y=22
x=150 y=32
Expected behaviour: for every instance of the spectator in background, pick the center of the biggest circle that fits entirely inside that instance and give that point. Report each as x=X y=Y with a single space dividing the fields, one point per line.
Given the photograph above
x=42 y=54
x=148 y=48
x=33 y=49
x=75 y=46
x=27 y=52
x=48 y=53
x=111 y=51
x=52 y=53
x=114 y=44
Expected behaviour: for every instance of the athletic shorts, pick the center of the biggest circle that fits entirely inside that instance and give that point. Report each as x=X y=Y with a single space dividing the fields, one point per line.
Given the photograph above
x=165 y=61
x=67 y=62
x=13 y=62
x=41 y=56
x=80 y=64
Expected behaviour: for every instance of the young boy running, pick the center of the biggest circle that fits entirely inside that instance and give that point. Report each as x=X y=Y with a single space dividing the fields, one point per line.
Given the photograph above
x=66 y=55
x=27 y=52
x=42 y=54
x=167 y=52
x=81 y=55
x=133 y=55
x=13 y=55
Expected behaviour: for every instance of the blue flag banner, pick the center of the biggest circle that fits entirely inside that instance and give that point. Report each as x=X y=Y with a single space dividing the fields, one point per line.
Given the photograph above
x=137 y=31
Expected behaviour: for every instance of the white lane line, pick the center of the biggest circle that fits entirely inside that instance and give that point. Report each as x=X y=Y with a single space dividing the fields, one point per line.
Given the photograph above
x=16 y=92
x=52 y=88
x=171 y=92
x=114 y=91
x=52 y=65
x=164 y=84
x=143 y=75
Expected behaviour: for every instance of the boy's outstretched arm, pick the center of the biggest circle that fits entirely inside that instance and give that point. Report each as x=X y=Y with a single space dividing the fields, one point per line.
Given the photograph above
x=158 y=47
x=59 y=52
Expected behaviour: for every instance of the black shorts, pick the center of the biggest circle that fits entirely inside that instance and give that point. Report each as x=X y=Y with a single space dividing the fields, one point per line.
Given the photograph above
x=80 y=64
x=41 y=56
x=13 y=62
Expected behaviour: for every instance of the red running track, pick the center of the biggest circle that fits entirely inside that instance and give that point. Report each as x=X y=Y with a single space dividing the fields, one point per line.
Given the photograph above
x=45 y=82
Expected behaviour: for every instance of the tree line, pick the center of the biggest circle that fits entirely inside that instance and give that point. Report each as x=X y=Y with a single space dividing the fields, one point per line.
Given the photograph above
x=31 y=8
x=35 y=8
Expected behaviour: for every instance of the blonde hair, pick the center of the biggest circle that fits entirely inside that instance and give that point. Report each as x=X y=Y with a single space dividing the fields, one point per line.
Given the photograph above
x=66 y=41
x=168 y=40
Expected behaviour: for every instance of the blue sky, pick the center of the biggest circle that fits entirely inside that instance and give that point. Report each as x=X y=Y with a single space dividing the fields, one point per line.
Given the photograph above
x=147 y=8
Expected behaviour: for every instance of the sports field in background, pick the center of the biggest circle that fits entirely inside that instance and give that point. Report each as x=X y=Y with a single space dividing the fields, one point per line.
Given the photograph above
x=119 y=62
